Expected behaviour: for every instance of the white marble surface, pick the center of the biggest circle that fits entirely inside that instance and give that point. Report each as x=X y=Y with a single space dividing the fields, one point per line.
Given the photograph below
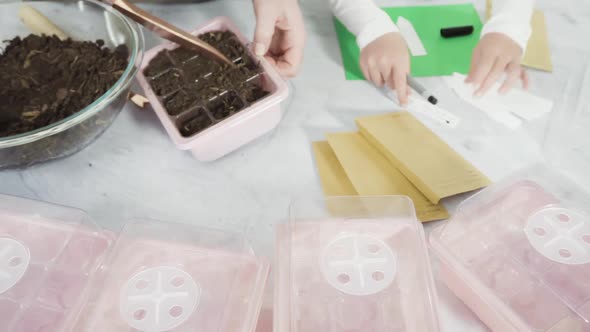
x=134 y=171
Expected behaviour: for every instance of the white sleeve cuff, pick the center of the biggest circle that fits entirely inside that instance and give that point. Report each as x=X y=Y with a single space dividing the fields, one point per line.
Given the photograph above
x=519 y=32
x=513 y=19
x=381 y=25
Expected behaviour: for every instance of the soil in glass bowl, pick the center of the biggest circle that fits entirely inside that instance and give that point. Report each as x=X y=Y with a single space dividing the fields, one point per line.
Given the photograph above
x=45 y=79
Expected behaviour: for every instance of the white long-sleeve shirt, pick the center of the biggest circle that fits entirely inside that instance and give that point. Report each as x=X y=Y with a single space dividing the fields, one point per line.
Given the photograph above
x=368 y=22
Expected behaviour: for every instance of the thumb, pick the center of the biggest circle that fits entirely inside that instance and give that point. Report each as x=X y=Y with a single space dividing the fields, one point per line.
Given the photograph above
x=265 y=26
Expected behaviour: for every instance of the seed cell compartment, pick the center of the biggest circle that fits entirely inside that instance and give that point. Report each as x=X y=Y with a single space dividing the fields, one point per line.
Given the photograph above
x=190 y=108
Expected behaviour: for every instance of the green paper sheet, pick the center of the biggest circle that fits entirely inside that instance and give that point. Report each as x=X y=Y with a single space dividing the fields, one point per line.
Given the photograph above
x=445 y=56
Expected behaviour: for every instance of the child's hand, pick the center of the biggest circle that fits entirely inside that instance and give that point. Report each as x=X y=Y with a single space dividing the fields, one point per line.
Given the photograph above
x=495 y=55
x=386 y=60
x=280 y=34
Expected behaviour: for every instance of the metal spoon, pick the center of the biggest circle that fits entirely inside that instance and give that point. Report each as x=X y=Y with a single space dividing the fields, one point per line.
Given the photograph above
x=166 y=30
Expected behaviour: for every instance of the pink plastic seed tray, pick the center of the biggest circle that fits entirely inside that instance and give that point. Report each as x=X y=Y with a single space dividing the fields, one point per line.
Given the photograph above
x=235 y=131
x=171 y=277
x=359 y=266
x=518 y=254
x=47 y=255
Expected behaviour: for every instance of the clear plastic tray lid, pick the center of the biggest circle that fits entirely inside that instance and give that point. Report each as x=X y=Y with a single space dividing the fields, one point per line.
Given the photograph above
x=353 y=264
x=524 y=245
x=48 y=254
x=567 y=142
x=173 y=277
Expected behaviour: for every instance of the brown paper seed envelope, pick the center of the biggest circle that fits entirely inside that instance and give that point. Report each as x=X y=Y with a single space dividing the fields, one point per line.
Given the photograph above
x=537 y=54
x=335 y=182
x=372 y=175
x=427 y=161
x=332 y=176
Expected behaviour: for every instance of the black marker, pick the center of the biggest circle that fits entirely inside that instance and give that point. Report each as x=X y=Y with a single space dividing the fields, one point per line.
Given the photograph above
x=422 y=90
x=456 y=31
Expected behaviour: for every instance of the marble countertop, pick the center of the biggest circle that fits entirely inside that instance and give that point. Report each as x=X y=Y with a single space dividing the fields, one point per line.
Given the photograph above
x=134 y=170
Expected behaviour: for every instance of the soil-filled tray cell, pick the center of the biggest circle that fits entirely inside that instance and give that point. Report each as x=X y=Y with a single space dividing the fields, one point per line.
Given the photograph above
x=226 y=43
x=182 y=55
x=208 y=94
x=166 y=83
x=225 y=105
x=251 y=88
x=160 y=64
x=199 y=68
x=194 y=122
x=179 y=102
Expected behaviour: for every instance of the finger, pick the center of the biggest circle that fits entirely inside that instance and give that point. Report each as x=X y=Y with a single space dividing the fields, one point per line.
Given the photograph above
x=271 y=60
x=265 y=26
x=524 y=76
x=406 y=70
x=391 y=81
x=513 y=75
x=375 y=75
x=492 y=77
x=287 y=66
x=365 y=70
x=481 y=70
x=287 y=58
x=476 y=58
x=386 y=73
x=293 y=56
x=401 y=85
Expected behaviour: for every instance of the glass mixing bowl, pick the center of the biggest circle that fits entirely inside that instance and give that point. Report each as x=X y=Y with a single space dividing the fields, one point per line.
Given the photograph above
x=81 y=20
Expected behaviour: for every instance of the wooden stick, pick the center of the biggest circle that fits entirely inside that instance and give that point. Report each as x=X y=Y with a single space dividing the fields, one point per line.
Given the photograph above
x=138 y=100
x=488 y=9
x=39 y=23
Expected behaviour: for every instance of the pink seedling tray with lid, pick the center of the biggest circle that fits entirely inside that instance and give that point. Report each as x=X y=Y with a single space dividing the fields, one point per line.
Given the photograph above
x=239 y=129
x=48 y=255
x=354 y=264
x=518 y=254
x=176 y=278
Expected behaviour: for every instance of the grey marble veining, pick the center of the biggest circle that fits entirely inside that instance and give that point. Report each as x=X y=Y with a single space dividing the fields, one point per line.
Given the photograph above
x=134 y=170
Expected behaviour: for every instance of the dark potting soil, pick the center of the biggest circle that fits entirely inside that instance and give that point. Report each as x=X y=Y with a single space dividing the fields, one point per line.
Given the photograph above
x=195 y=122
x=200 y=92
x=45 y=80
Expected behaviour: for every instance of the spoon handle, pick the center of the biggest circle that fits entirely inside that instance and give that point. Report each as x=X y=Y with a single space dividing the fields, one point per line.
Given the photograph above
x=167 y=30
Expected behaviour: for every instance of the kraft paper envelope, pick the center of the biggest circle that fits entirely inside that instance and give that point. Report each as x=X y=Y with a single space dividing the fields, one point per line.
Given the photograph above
x=488 y=9
x=429 y=163
x=372 y=175
x=537 y=54
x=334 y=180
x=332 y=176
